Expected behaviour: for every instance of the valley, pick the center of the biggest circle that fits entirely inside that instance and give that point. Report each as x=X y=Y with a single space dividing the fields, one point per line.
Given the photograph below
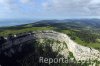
x=81 y=31
x=77 y=39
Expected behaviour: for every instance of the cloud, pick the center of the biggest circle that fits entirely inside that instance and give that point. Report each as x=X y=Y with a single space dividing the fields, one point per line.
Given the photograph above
x=14 y=5
x=16 y=8
x=25 y=1
x=55 y=8
x=94 y=7
x=73 y=7
x=6 y=5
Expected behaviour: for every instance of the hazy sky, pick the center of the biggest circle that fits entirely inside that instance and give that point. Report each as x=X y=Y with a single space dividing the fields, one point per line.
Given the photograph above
x=49 y=8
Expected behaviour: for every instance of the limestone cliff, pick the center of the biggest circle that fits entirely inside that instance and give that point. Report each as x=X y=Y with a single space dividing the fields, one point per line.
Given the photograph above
x=59 y=42
x=68 y=45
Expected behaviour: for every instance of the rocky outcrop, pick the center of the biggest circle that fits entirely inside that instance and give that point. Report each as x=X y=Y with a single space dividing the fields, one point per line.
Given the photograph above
x=79 y=52
x=62 y=44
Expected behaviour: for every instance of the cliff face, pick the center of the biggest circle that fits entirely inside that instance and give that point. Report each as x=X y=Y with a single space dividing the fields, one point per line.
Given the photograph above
x=67 y=45
x=59 y=42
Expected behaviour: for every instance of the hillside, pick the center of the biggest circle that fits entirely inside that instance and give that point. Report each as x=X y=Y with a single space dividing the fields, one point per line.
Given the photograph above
x=83 y=31
x=47 y=44
x=77 y=39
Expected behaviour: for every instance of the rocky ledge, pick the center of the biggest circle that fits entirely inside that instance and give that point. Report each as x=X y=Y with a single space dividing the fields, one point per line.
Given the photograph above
x=63 y=45
x=79 y=52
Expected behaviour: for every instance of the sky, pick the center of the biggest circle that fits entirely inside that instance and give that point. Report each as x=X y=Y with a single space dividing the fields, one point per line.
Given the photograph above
x=49 y=9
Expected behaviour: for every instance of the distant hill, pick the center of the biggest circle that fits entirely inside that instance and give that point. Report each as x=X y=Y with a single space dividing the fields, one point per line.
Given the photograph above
x=79 y=22
x=90 y=25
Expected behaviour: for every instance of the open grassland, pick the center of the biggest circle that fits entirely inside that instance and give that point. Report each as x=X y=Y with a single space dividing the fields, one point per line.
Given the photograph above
x=23 y=30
